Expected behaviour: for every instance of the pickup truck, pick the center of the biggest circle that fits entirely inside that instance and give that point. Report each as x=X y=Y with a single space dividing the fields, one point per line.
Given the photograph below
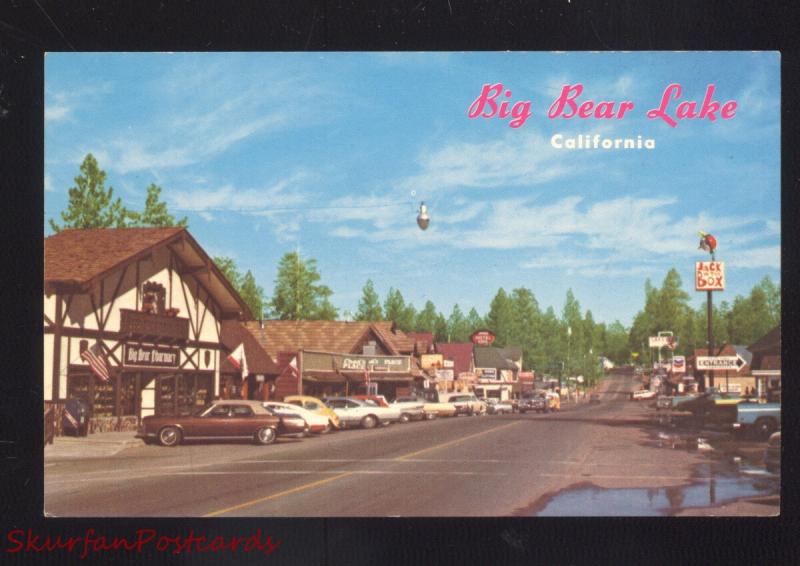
x=761 y=418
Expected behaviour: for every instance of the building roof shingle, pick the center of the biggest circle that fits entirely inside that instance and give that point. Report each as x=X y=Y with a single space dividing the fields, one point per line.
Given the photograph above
x=459 y=352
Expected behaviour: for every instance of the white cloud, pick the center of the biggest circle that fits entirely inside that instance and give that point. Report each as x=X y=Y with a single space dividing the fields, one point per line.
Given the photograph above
x=755 y=258
x=260 y=201
x=56 y=112
x=48 y=183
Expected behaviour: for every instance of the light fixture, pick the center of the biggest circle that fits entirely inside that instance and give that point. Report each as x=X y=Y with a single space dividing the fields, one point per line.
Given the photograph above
x=422 y=218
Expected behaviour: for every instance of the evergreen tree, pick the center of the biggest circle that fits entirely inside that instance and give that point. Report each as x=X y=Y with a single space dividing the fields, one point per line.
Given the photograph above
x=408 y=318
x=228 y=268
x=155 y=211
x=474 y=321
x=252 y=294
x=369 y=307
x=426 y=318
x=298 y=295
x=440 y=330
x=457 y=327
x=500 y=318
x=394 y=306
x=91 y=205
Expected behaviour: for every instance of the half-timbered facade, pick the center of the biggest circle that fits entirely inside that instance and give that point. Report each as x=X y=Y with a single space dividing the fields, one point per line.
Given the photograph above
x=148 y=303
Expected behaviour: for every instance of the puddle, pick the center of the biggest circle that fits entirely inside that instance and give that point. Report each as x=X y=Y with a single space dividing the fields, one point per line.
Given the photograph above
x=713 y=489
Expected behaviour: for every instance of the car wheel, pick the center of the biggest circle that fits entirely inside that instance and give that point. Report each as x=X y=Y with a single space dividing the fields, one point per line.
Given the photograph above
x=430 y=416
x=266 y=435
x=765 y=427
x=327 y=428
x=369 y=422
x=169 y=436
x=405 y=417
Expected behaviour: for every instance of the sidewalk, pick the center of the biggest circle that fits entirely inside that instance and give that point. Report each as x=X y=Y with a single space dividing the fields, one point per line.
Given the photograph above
x=100 y=445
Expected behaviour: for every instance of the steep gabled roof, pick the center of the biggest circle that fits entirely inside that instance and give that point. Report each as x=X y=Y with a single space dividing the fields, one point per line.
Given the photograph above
x=277 y=336
x=491 y=357
x=459 y=352
x=77 y=258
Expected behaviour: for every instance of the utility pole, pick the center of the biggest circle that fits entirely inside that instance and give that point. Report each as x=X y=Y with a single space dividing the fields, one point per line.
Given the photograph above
x=710 y=330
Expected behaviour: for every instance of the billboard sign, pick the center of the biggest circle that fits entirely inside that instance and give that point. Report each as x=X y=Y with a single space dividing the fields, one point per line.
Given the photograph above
x=709 y=275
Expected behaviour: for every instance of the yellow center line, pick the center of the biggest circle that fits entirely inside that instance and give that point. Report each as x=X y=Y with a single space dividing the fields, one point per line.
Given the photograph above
x=456 y=441
x=276 y=495
x=345 y=474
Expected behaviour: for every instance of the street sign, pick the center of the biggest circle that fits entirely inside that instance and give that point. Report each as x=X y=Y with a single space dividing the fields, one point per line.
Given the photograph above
x=678 y=364
x=670 y=342
x=720 y=363
x=709 y=275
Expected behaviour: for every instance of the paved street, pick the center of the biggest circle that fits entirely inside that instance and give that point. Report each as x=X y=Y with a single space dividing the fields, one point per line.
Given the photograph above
x=465 y=466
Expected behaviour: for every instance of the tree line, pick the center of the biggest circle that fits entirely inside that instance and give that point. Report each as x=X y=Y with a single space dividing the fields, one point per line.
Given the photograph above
x=567 y=343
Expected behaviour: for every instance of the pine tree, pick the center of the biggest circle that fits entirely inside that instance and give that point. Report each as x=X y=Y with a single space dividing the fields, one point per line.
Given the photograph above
x=298 y=295
x=228 y=268
x=252 y=295
x=155 y=211
x=369 y=307
x=457 y=325
x=426 y=318
x=91 y=205
x=500 y=318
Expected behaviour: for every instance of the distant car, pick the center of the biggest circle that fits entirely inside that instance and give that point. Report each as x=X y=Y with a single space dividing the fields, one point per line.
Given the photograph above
x=538 y=403
x=554 y=400
x=317 y=423
x=642 y=394
x=772 y=455
x=366 y=414
x=467 y=404
x=498 y=407
x=432 y=409
x=315 y=406
x=225 y=419
x=663 y=402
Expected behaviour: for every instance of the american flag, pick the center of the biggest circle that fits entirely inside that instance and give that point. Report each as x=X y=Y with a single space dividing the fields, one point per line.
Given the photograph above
x=93 y=356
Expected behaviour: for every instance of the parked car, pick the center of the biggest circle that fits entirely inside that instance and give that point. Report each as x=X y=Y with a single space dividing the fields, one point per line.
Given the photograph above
x=467 y=404
x=772 y=455
x=498 y=407
x=224 y=419
x=762 y=418
x=380 y=400
x=554 y=400
x=315 y=406
x=317 y=423
x=431 y=408
x=411 y=408
x=353 y=412
x=538 y=403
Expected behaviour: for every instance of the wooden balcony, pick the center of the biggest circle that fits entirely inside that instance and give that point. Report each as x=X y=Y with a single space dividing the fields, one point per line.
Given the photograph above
x=153 y=327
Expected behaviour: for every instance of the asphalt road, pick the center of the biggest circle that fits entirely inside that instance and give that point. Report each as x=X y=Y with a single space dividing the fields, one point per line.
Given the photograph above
x=465 y=466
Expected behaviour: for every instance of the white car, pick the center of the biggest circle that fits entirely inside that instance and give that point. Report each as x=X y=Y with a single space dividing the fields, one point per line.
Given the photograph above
x=410 y=409
x=642 y=394
x=317 y=423
x=366 y=414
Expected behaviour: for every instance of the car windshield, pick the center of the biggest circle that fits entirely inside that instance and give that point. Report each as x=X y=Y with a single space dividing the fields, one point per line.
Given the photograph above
x=370 y=402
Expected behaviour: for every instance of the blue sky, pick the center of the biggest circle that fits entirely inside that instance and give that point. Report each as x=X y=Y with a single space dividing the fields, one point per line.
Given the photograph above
x=330 y=154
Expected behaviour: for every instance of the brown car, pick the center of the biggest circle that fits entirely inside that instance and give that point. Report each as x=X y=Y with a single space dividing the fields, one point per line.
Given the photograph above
x=221 y=420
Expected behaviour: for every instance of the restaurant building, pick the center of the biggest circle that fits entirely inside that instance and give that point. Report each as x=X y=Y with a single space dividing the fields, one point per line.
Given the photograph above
x=331 y=358
x=458 y=367
x=741 y=382
x=132 y=323
x=766 y=364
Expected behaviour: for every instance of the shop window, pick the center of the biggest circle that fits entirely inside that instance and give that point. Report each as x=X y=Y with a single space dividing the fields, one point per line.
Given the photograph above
x=79 y=387
x=128 y=395
x=104 y=398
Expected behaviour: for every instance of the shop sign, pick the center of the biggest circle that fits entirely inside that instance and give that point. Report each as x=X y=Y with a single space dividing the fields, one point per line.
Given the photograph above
x=445 y=374
x=488 y=373
x=678 y=364
x=482 y=338
x=430 y=361
x=150 y=356
x=709 y=276
x=448 y=364
x=670 y=342
x=720 y=363
x=375 y=363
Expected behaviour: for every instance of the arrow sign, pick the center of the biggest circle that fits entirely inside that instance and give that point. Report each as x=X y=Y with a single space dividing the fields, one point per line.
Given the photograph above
x=721 y=363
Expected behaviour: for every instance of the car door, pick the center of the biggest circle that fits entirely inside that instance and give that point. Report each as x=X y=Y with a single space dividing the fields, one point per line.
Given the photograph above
x=242 y=421
x=212 y=423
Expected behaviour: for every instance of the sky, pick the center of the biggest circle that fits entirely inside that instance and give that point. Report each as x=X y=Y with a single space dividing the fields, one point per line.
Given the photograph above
x=330 y=154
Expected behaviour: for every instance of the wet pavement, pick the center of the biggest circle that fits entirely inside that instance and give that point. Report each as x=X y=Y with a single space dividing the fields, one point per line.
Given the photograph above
x=716 y=488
